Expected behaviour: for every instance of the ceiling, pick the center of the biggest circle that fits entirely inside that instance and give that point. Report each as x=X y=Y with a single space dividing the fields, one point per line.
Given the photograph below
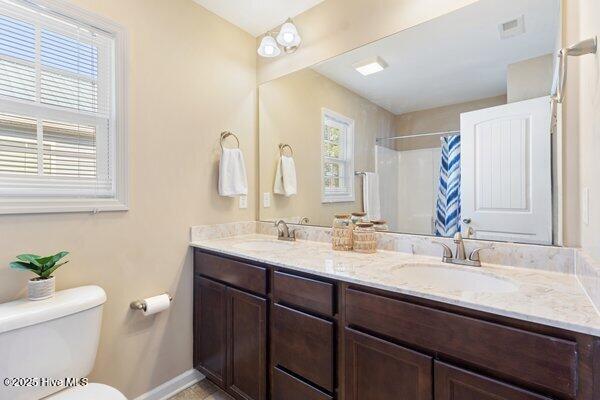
x=257 y=16
x=456 y=58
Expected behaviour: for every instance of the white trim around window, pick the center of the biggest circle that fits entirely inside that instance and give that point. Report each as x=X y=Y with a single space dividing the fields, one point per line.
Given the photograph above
x=40 y=195
x=337 y=186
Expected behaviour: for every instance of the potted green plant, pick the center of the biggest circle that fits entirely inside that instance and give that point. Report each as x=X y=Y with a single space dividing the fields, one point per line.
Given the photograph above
x=42 y=286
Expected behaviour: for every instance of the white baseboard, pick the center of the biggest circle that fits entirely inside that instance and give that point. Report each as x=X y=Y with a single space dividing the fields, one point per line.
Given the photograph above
x=174 y=386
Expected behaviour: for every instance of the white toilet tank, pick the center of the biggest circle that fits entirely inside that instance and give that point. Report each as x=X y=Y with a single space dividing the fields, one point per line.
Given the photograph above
x=46 y=345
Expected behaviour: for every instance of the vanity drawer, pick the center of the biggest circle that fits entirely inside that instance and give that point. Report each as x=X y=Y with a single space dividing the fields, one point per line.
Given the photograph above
x=542 y=361
x=304 y=293
x=286 y=387
x=235 y=273
x=303 y=344
x=453 y=383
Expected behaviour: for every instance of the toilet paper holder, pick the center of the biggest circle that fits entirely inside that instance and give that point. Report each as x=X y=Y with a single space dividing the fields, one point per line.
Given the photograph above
x=141 y=304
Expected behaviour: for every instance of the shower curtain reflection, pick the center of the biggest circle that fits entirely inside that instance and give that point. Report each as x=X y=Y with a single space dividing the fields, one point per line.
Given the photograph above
x=447 y=221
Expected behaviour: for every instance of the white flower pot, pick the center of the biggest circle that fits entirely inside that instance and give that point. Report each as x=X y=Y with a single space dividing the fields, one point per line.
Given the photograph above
x=40 y=289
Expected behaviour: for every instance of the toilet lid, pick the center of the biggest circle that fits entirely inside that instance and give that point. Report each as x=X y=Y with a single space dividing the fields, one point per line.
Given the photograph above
x=91 y=391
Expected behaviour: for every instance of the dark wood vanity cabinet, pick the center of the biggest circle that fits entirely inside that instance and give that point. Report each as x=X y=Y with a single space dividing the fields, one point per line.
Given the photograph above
x=230 y=337
x=270 y=333
x=545 y=361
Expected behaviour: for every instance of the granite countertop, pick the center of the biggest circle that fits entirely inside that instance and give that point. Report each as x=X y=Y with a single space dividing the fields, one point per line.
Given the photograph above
x=550 y=298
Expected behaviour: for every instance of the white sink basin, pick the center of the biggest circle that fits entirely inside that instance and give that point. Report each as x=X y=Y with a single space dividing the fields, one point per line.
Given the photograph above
x=263 y=245
x=453 y=279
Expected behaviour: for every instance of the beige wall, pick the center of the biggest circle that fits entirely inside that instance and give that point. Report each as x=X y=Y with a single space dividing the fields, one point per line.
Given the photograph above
x=439 y=119
x=336 y=26
x=589 y=125
x=529 y=79
x=191 y=75
x=290 y=112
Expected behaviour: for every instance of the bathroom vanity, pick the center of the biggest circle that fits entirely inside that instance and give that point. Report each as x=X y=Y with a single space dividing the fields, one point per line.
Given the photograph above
x=263 y=330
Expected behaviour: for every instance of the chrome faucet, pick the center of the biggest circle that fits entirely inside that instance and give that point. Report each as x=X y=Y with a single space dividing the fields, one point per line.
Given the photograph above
x=284 y=232
x=460 y=257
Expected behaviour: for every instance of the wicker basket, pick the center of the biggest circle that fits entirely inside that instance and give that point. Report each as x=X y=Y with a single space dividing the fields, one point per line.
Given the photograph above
x=341 y=235
x=341 y=239
x=365 y=238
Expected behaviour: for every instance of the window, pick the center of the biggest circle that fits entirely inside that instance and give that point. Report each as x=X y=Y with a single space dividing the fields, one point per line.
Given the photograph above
x=62 y=128
x=337 y=157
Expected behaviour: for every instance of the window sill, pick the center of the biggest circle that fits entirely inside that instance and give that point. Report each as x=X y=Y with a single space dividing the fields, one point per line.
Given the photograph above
x=54 y=205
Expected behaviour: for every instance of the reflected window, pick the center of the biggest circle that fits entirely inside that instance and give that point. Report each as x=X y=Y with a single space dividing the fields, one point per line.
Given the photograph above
x=337 y=157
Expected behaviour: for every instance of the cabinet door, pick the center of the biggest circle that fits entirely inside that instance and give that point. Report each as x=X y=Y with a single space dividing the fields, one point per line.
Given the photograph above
x=210 y=326
x=379 y=370
x=247 y=343
x=453 y=383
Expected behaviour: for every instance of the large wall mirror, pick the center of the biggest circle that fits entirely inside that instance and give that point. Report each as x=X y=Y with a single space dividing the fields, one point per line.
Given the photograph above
x=443 y=127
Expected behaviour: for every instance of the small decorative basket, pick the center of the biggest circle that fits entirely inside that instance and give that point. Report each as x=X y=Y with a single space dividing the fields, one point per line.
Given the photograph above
x=365 y=238
x=341 y=235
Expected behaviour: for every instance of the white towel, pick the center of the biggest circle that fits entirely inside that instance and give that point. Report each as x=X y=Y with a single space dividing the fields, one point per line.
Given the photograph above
x=232 y=173
x=371 y=202
x=285 y=177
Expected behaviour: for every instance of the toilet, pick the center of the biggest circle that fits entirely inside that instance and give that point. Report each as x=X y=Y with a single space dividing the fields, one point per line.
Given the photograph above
x=54 y=339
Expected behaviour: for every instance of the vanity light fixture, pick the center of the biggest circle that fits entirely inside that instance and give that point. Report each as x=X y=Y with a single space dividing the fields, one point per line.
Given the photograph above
x=268 y=47
x=370 y=66
x=288 y=38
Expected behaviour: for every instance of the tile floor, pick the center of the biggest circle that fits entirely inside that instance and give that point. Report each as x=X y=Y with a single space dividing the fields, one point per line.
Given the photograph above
x=204 y=390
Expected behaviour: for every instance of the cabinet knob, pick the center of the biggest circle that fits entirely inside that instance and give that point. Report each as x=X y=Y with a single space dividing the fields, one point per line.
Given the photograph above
x=467 y=220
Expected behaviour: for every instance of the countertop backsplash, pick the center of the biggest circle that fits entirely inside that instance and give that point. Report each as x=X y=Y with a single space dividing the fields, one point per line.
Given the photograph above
x=219 y=231
x=587 y=270
x=548 y=258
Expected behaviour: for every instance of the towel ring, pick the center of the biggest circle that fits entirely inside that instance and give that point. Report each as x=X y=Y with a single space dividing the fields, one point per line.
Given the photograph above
x=225 y=135
x=282 y=148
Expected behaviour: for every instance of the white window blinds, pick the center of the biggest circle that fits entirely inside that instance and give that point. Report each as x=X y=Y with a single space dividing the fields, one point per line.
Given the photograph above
x=56 y=105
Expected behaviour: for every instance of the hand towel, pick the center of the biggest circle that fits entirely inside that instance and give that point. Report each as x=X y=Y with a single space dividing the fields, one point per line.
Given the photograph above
x=232 y=173
x=285 y=177
x=371 y=202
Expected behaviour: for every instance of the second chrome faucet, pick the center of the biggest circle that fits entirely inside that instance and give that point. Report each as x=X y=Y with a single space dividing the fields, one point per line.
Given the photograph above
x=284 y=232
x=460 y=256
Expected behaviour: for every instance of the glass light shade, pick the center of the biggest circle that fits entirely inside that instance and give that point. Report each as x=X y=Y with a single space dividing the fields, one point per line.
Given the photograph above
x=268 y=47
x=288 y=35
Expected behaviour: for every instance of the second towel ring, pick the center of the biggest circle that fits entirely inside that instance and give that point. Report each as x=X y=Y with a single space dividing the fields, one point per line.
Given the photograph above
x=282 y=148
x=225 y=135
